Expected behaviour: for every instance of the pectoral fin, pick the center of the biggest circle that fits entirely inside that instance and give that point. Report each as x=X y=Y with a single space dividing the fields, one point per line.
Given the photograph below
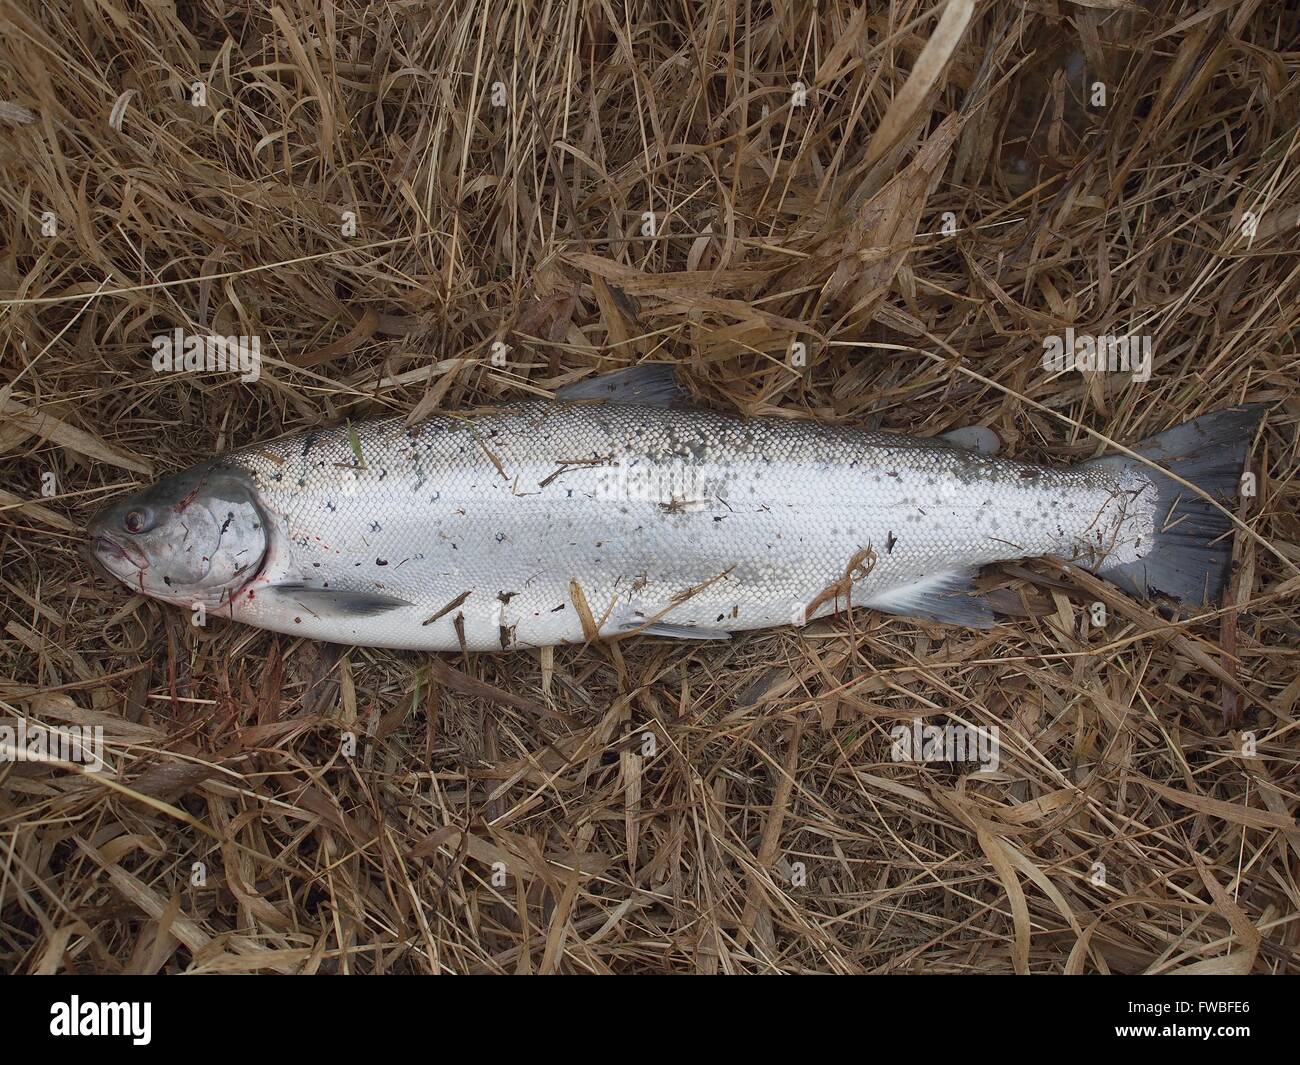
x=336 y=602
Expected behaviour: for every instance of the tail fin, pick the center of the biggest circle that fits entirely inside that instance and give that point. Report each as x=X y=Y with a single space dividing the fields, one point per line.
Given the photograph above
x=1193 y=543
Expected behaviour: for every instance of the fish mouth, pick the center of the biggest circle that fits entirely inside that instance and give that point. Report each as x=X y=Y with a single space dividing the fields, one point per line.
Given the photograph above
x=103 y=545
x=102 y=549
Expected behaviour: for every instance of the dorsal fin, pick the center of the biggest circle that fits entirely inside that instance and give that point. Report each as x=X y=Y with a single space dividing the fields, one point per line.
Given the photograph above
x=651 y=384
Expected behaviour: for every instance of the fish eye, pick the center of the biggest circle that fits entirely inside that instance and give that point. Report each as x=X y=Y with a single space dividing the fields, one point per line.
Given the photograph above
x=135 y=521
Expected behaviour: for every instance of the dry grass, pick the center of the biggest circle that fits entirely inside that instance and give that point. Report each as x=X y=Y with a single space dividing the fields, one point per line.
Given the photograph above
x=523 y=223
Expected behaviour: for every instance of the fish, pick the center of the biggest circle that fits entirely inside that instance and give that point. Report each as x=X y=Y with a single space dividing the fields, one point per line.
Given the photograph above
x=619 y=508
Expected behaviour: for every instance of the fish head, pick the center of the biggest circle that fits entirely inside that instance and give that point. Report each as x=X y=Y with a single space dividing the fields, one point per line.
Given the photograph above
x=195 y=536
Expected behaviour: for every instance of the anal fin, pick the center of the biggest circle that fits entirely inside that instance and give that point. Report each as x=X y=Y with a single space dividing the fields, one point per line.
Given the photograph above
x=942 y=597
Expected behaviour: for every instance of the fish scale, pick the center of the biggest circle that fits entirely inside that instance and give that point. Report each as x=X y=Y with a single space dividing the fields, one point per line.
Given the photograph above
x=687 y=517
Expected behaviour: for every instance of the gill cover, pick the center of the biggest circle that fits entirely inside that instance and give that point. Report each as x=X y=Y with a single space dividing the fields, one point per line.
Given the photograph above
x=195 y=536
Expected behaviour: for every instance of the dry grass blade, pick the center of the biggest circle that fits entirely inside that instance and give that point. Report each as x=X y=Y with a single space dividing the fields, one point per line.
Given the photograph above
x=906 y=111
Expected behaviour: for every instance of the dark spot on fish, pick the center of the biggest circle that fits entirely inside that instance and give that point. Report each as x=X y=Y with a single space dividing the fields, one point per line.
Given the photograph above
x=381 y=562
x=555 y=608
x=375 y=526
